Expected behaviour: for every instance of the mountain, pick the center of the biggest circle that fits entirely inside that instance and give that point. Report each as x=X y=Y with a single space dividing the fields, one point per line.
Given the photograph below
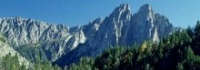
x=64 y=45
x=20 y=32
x=120 y=28
x=178 y=51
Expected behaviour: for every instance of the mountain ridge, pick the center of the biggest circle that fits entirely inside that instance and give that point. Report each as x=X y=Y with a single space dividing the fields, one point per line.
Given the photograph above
x=125 y=29
x=58 y=42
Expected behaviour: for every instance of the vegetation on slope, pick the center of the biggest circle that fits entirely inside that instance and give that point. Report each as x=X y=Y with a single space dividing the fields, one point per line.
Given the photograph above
x=11 y=63
x=179 y=51
x=10 y=60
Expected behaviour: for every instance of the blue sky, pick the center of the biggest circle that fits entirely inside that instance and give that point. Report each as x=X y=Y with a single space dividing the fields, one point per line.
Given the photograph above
x=79 y=12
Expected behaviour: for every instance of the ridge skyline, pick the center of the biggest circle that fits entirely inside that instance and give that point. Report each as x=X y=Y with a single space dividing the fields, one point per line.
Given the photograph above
x=72 y=15
x=119 y=7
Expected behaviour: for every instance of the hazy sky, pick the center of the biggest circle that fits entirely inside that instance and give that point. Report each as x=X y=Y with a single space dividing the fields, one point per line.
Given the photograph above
x=78 y=12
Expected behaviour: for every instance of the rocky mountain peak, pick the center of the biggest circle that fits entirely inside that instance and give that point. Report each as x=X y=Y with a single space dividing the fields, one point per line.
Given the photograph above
x=123 y=11
x=123 y=7
x=97 y=20
x=146 y=8
x=146 y=13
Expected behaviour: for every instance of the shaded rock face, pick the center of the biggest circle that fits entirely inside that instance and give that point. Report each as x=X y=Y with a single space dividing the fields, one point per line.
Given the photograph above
x=65 y=45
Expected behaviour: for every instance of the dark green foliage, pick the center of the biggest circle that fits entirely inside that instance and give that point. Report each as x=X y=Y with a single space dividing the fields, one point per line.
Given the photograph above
x=179 y=51
x=44 y=65
x=86 y=63
x=110 y=59
x=11 y=63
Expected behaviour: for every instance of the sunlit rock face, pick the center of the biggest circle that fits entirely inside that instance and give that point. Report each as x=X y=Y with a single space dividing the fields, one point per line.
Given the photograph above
x=120 y=28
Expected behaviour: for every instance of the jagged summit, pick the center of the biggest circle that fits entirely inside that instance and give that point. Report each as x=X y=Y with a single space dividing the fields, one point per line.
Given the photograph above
x=145 y=13
x=145 y=9
x=122 y=9
x=97 y=20
x=122 y=12
x=123 y=6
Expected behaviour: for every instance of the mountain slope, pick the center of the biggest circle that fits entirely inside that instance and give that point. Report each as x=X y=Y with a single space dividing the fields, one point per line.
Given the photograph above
x=51 y=38
x=120 y=28
x=64 y=45
x=178 y=51
x=6 y=49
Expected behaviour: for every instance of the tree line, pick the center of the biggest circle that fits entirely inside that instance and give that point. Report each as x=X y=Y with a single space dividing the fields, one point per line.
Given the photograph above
x=178 y=51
